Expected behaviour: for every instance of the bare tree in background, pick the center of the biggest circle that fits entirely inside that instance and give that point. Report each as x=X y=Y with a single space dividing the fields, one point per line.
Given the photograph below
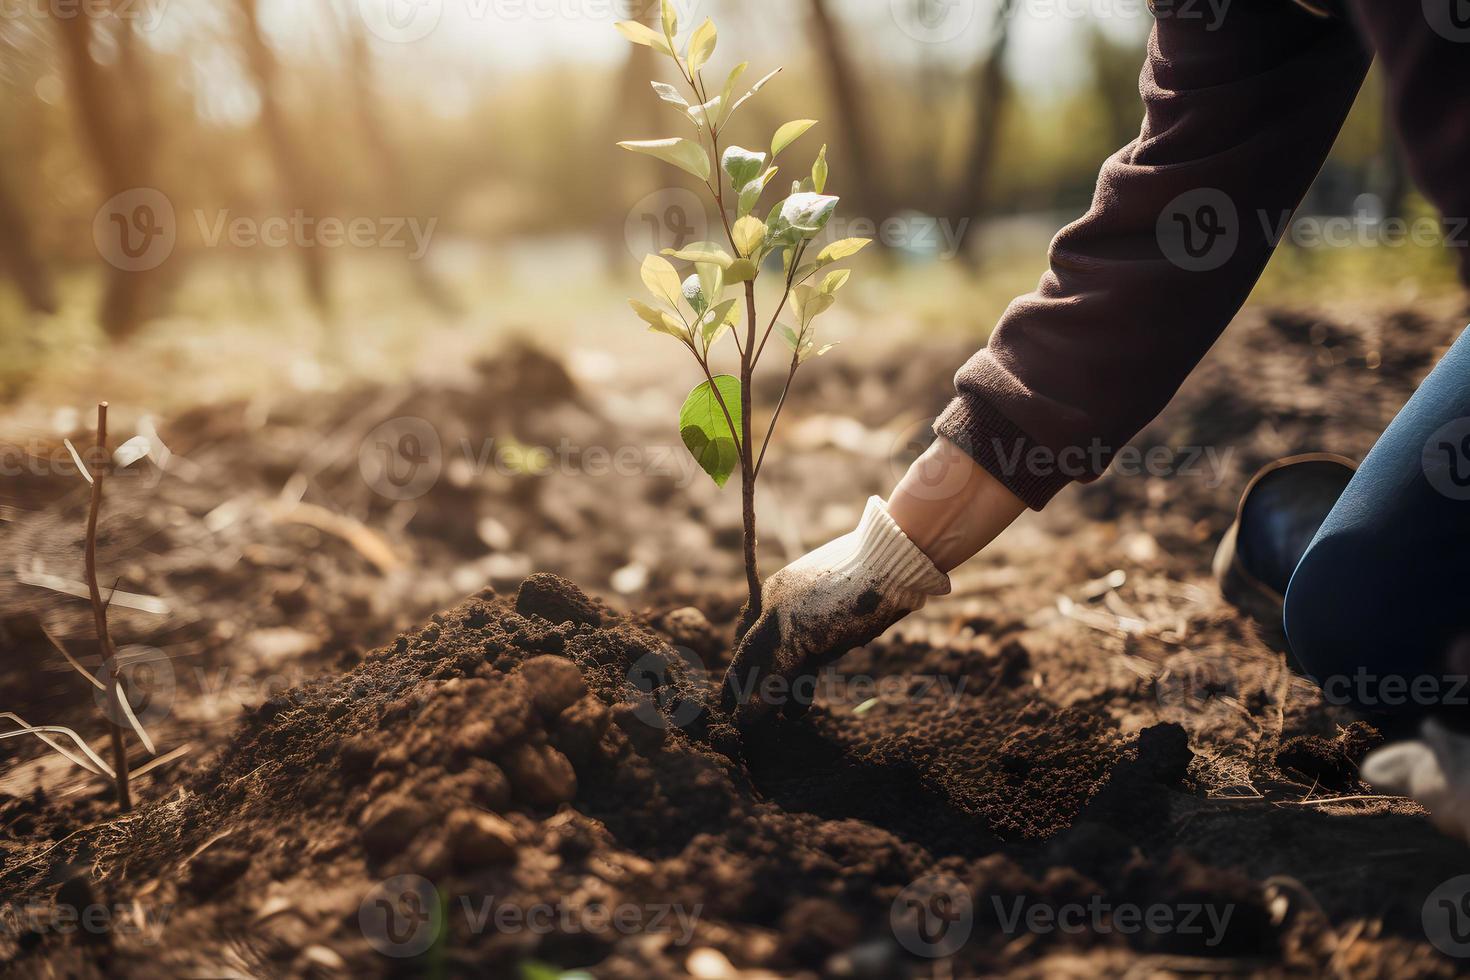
x=393 y=174
x=120 y=154
x=992 y=95
x=298 y=181
x=864 y=166
x=18 y=256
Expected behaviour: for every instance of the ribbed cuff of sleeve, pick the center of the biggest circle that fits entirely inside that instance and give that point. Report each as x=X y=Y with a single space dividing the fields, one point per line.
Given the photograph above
x=902 y=572
x=999 y=446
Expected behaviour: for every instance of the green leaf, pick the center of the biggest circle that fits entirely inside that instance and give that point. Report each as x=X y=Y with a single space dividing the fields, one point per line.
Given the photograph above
x=805 y=271
x=660 y=321
x=842 y=248
x=701 y=45
x=702 y=252
x=644 y=35
x=684 y=154
x=670 y=19
x=671 y=95
x=713 y=324
x=788 y=335
x=749 y=234
x=789 y=134
x=722 y=105
x=835 y=281
x=808 y=213
x=705 y=430
x=742 y=165
x=819 y=171
x=661 y=279
x=751 y=193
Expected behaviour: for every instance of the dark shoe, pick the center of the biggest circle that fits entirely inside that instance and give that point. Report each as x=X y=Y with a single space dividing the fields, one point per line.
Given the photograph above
x=1279 y=514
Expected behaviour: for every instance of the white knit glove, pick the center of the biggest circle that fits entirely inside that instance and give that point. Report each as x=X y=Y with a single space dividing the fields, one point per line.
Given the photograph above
x=1434 y=770
x=841 y=596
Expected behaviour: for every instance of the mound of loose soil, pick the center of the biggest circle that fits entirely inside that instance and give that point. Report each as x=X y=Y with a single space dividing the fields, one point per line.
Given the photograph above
x=444 y=755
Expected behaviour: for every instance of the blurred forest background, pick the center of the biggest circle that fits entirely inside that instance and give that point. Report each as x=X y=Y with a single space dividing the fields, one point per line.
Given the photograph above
x=489 y=126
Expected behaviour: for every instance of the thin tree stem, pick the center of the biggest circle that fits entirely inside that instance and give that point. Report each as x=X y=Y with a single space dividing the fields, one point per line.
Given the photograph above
x=747 y=460
x=99 y=617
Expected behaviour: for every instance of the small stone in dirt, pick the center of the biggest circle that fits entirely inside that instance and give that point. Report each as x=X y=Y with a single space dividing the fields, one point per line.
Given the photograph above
x=556 y=600
x=477 y=838
x=555 y=682
x=580 y=728
x=389 y=823
x=687 y=627
x=541 y=775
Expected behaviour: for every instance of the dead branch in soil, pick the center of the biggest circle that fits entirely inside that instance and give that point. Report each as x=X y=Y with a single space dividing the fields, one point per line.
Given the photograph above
x=99 y=616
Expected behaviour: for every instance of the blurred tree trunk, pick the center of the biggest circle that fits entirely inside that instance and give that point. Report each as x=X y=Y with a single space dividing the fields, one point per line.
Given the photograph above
x=992 y=94
x=18 y=256
x=298 y=181
x=120 y=161
x=393 y=175
x=863 y=161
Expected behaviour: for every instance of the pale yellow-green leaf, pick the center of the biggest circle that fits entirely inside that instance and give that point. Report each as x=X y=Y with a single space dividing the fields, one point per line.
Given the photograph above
x=723 y=104
x=788 y=134
x=701 y=45
x=715 y=322
x=789 y=336
x=749 y=233
x=644 y=35
x=684 y=154
x=659 y=321
x=835 y=281
x=661 y=278
x=670 y=95
x=819 y=171
x=754 y=89
x=842 y=248
x=711 y=280
x=670 y=19
x=741 y=270
x=702 y=252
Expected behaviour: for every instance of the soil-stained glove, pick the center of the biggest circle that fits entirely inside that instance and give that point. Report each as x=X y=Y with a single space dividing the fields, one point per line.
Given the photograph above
x=1434 y=770
x=841 y=596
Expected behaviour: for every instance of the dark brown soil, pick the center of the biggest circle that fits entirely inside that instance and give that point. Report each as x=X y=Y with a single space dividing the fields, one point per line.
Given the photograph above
x=1083 y=726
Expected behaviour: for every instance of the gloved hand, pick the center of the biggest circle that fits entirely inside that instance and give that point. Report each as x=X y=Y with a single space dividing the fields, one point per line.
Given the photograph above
x=1434 y=770
x=841 y=596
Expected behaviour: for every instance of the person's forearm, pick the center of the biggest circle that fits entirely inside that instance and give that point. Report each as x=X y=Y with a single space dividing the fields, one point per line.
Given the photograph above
x=950 y=507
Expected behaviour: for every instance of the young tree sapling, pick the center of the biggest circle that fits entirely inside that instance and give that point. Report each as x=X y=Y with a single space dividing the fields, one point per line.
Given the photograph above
x=717 y=420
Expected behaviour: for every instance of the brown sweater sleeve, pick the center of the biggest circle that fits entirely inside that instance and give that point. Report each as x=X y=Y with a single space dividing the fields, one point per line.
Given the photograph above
x=1240 y=113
